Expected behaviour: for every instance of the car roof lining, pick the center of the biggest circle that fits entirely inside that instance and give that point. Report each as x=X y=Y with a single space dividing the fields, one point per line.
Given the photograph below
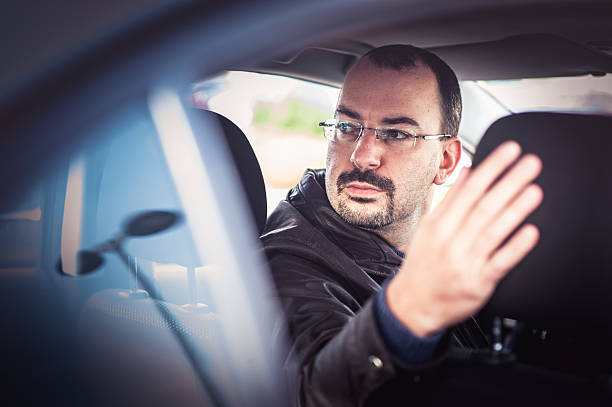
x=515 y=57
x=504 y=40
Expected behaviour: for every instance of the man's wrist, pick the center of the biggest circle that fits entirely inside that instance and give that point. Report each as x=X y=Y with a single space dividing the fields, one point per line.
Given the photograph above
x=401 y=341
x=417 y=320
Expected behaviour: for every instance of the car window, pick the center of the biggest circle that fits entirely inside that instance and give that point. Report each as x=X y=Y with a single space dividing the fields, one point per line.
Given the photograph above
x=486 y=101
x=587 y=94
x=280 y=116
x=127 y=248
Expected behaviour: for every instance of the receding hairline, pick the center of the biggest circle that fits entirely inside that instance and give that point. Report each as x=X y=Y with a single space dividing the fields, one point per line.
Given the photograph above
x=364 y=63
x=371 y=60
x=403 y=57
x=367 y=61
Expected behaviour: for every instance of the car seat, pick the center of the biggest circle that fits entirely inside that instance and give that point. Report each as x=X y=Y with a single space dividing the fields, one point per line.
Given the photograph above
x=548 y=320
x=129 y=350
x=565 y=282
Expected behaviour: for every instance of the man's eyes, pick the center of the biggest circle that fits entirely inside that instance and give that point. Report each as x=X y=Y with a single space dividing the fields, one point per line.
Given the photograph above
x=383 y=134
x=393 y=134
x=346 y=127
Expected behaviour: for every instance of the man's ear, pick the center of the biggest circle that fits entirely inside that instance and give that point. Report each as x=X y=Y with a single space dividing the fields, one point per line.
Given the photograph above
x=451 y=153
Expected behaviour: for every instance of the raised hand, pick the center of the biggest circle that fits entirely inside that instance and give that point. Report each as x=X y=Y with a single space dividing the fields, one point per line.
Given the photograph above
x=456 y=256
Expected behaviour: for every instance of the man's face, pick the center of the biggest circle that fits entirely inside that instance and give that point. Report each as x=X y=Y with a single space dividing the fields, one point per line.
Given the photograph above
x=367 y=184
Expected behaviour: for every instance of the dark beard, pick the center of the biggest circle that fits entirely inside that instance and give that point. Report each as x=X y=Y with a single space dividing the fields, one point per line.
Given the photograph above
x=374 y=222
x=378 y=220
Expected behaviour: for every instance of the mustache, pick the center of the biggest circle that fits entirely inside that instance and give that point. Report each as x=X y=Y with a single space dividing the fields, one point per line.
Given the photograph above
x=368 y=176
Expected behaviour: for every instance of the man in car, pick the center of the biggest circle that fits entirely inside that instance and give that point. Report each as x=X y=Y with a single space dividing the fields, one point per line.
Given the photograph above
x=375 y=285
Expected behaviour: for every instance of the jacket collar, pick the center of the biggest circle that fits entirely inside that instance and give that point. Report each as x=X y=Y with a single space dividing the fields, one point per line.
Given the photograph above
x=367 y=248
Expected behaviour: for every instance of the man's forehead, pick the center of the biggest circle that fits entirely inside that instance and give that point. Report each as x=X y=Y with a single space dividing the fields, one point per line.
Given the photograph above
x=388 y=95
x=366 y=77
x=390 y=117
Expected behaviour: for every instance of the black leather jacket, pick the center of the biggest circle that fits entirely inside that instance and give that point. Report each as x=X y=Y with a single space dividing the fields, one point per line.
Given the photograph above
x=326 y=272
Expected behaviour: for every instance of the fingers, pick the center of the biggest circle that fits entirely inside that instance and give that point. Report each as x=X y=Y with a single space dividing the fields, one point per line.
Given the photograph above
x=507 y=221
x=501 y=202
x=460 y=200
x=459 y=252
x=512 y=252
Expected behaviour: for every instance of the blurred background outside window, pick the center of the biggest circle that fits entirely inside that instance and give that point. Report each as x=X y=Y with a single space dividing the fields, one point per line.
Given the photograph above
x=280 y=115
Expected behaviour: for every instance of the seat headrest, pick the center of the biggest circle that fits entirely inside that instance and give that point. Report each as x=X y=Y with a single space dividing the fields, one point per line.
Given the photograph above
x=567 y=279
x=246 y=164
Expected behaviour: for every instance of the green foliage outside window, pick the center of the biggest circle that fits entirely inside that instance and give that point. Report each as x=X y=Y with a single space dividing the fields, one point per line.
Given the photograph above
x=293 y=116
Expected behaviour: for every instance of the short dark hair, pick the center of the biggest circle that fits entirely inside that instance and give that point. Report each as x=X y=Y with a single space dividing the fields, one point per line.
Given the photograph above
x=398 y=57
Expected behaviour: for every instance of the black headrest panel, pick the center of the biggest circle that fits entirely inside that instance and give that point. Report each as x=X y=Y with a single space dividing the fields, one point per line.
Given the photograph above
x=246 y=164
x=567 y=279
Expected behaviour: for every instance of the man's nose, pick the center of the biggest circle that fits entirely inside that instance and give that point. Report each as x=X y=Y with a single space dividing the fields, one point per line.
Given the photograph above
x=368 y=151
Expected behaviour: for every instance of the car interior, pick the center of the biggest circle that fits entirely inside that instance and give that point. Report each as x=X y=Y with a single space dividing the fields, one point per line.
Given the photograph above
x=547 y=321
x=131 y=271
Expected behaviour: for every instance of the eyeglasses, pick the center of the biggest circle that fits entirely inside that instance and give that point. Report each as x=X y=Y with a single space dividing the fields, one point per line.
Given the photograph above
x=346 y=132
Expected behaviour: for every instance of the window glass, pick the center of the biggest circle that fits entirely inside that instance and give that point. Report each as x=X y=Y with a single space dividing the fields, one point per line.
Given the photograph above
x=486 y=101
x=77 y=260
x=590 y=94
x=280 y=116
x=21 y=234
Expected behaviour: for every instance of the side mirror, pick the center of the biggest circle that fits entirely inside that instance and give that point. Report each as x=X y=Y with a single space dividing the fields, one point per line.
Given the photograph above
x=143 y=224
x=150 y=223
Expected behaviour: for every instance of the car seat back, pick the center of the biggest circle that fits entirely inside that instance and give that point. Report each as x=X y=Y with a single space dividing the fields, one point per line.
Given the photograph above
x=130 y=350
x=567 y=279
x=246 y=162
